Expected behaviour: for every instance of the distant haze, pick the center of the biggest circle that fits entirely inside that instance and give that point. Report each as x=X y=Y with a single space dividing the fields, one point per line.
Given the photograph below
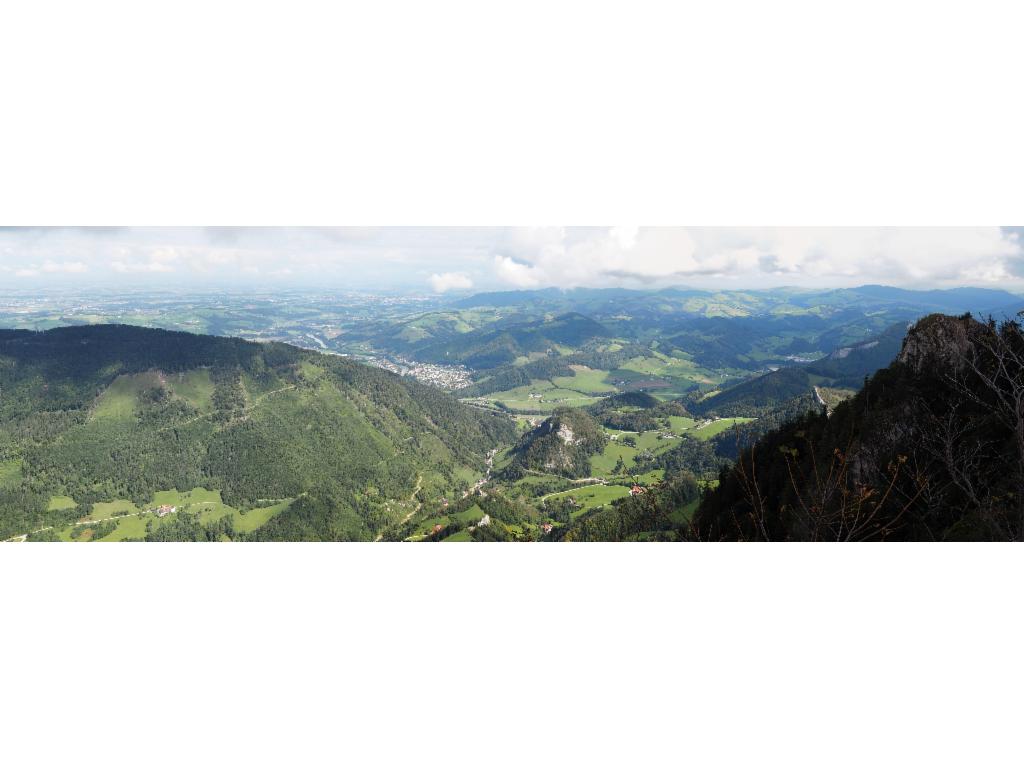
x=467 y=259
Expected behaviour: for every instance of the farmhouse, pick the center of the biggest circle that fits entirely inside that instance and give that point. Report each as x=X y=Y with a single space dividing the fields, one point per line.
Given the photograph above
x=636 y=490
x=546 y=527
x=165 y=509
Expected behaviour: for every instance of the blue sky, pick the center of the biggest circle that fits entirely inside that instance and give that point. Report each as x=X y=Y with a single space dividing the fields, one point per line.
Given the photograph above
x=460 y=259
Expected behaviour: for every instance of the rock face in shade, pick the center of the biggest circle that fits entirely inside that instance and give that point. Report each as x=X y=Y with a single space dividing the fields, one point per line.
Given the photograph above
x=940 y=341
x=927 y=450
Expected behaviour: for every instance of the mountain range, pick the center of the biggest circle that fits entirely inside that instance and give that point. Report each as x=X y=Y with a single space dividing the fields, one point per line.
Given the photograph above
x=587 y=414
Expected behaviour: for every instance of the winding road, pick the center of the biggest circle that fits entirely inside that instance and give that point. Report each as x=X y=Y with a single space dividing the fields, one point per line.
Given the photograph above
x=412 y=496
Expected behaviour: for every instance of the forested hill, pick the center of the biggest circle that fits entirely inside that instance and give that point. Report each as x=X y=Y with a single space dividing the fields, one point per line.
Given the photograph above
x=846 y=367
x=98 y=416
x=562 y=445
x=929 y=449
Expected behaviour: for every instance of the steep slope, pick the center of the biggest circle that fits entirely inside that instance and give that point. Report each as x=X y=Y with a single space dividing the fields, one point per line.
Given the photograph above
x=931 y=448
x=93 y=415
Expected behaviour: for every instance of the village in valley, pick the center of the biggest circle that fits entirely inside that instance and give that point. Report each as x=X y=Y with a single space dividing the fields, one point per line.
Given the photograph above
x=449 y=377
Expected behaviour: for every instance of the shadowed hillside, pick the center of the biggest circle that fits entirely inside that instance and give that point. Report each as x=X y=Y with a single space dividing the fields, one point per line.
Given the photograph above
x=932 y=448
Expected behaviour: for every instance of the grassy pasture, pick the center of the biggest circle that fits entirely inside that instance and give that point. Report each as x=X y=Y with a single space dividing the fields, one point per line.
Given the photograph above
x=681 y=423
x=195 y=387
x=254 y=518
x=425 y=526
x=586 y=380
x=471 y=515
x=717 y=427
x=118 y=401
x=570 y=391
x=59 y=503
x=10 y=473
x=104 y=509
x=133 y=527
x=591 y=496
x=133 y=521
x=604 y=463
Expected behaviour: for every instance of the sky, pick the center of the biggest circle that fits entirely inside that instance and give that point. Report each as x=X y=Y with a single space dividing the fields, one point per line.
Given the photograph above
x=455 y=260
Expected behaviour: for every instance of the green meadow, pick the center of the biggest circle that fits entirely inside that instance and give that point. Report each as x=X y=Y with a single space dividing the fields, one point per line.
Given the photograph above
x=717 y=427
x=195 y=387
x=591 y=496
x=118 y=401
x=10 y=472
x=133 y=522
x=60 y=503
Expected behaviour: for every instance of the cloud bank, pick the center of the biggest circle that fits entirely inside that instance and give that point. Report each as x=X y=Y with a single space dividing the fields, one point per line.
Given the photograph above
x=753 y=257
x=449 y=281
x=454 y=259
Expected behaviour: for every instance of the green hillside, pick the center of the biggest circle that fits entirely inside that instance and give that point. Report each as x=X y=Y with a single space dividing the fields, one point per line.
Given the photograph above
x=118 y=415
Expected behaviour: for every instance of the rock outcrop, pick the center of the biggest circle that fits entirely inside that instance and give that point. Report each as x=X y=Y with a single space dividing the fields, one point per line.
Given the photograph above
x=939 y=341
x=562 y=444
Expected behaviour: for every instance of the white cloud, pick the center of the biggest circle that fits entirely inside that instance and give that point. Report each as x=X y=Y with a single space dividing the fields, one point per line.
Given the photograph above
x=754 y=257
x=621 y=254
x=516 y=273
x=140 y=266
x=73 y=267
x=49 y=267
x=458 y=258
x=447 y=281
x=625 y=236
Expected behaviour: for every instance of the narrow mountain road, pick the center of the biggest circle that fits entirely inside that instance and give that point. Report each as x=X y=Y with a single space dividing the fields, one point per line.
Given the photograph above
x=24 y=536
x=256 y=401
x=419 y=484
x=570 y=490
x=412 y=496
x=77 y=523
x=258 y=398
x=487 y=475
